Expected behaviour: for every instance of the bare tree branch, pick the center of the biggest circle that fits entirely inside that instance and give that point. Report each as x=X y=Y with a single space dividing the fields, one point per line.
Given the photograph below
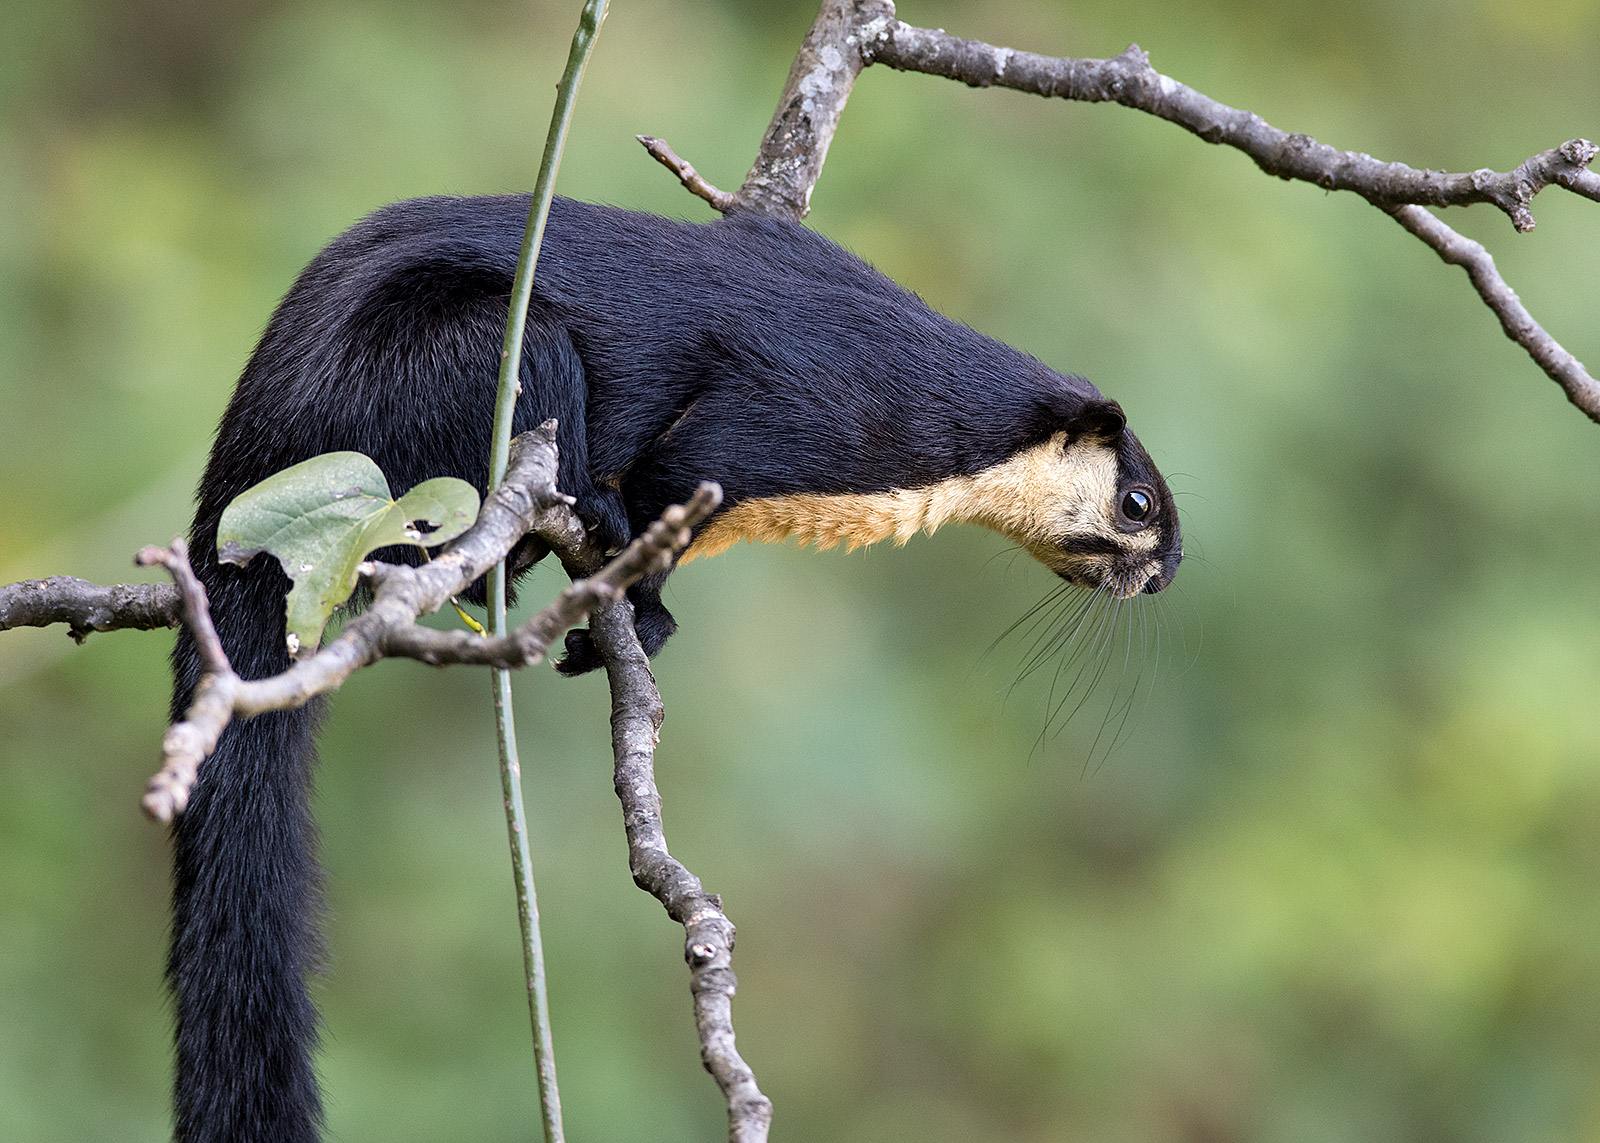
x=527 y=645
x=401 y=594
x=86 y=606
x=637 y=713
x=851 y=34
x=636 y=717
x=1458 y=250
x=1129 y=79
x=824 y=70
x=187 y=742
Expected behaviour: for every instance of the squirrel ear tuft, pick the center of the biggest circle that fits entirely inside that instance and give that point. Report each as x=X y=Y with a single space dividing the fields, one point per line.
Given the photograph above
x=1102 y=419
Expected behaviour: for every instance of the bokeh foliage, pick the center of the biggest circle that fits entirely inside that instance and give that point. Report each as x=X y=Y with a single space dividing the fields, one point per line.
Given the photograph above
x=1337 y=882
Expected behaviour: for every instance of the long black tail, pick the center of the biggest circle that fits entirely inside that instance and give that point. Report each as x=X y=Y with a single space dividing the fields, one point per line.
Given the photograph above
x=245 y=895
x=387 y=344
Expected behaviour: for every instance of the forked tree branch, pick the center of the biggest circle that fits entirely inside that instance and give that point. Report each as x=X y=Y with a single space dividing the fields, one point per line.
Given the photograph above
x=849 y=35
x=387 y=628
x=527 y=502
x=1129 y=79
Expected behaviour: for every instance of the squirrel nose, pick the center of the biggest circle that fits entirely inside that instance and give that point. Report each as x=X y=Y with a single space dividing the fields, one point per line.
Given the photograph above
x=1168 y=570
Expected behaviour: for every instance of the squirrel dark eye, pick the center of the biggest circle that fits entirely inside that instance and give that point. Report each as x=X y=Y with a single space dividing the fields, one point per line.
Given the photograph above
x=1136 y=505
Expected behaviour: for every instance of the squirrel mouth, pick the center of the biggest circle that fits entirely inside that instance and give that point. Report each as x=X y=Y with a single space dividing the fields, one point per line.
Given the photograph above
x=1103 y=573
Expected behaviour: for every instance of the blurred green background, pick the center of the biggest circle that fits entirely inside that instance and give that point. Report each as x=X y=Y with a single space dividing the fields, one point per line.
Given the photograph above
x=1338 y=880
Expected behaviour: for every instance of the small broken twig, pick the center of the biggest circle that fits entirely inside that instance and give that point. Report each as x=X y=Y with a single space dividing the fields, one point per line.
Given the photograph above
x=691 y=179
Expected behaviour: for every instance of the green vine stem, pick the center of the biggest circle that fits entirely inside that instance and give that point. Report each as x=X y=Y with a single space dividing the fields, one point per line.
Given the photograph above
x=594 y=12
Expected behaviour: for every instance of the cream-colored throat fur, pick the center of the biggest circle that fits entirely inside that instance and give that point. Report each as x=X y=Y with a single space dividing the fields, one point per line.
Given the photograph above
x=1036 y=497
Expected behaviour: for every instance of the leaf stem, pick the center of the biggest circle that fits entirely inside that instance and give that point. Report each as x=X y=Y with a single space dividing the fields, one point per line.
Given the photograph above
x=594 y=12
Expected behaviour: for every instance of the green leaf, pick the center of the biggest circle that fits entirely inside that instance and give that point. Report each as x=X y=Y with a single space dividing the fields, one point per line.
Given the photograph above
x=321 y=518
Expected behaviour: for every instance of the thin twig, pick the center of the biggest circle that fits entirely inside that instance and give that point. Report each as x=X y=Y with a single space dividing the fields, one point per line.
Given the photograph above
x=636 y=717
x=529 y=643
x=691 y=179
x=1459 y=250
x=186 y=743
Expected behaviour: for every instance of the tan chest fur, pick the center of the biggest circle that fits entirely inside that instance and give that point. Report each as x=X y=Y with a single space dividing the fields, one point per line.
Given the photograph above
x=1035 y=498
